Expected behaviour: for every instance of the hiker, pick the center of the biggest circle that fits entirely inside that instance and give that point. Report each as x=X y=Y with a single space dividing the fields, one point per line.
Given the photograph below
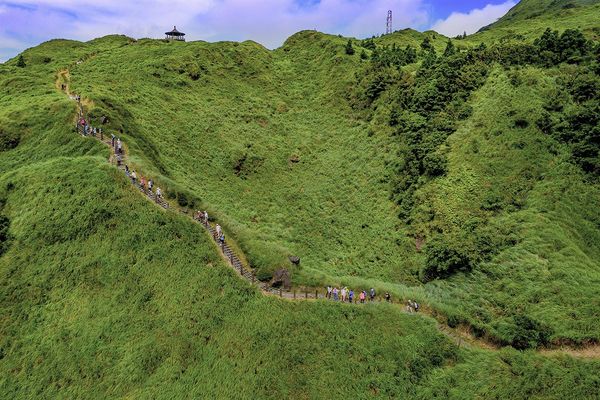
x=416 y=306
x=362 y=297
x=158 y=193
x=328 y=295
x=222 y=239
x=133 y=177
x=150 y=184
x=350 y=296
x=372 y=294
x=388 y=298
x=143 y=183
x=205 y=217
x=119 y=160
x=127 y=170
x=94 y=132
x=218 y=230
x=112 y=140
x=101 y=134
x=197 y=215
x=343 y=292
x=335 y=294
x=119 y=146
x=409 y=307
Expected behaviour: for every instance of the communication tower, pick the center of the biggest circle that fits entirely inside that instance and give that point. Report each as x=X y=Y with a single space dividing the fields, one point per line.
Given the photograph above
x=388 y=26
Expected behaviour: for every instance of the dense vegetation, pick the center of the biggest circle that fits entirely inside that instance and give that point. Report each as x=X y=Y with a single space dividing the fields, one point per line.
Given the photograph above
x=427 y=107
x=468 y=230
x=462 y=173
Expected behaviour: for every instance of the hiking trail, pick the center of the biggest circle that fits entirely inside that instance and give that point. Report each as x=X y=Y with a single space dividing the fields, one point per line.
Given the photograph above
x=461 y=336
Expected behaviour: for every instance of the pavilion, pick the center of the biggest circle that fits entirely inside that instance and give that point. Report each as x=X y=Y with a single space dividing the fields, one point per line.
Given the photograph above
x=175 y=35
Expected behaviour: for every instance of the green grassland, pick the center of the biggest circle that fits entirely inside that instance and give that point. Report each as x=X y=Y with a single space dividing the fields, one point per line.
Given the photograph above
x=298 y=151
x=113 y=297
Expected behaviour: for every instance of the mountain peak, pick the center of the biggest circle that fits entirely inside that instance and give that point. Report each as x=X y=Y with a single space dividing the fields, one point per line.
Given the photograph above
x=528 y=9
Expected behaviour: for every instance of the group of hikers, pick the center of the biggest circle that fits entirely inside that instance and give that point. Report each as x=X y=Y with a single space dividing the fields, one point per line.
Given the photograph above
x=348 y=295
x=116 y=144
x=219 y=236
x=89 y=130
x=412 y=306
x=146 y=185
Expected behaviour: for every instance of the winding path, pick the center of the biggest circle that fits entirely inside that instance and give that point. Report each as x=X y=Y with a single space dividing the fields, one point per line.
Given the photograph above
x=461 y=337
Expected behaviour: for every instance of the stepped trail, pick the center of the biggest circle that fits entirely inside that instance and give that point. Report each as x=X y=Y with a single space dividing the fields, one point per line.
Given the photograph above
x=461 y=337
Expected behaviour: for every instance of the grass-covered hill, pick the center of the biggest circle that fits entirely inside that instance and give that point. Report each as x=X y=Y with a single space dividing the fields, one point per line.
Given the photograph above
x=532 y=9
x=464 y=176
x=531 y=17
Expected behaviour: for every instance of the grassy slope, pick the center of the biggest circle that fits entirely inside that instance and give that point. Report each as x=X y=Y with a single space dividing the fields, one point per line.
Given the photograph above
x=104 y=295
x=114 y=297
x=551 y=273
x=530 y=18
x=254 y=110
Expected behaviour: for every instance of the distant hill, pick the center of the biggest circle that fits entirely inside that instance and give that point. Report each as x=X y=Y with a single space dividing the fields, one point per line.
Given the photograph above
x=550 y=11
x=528 y=9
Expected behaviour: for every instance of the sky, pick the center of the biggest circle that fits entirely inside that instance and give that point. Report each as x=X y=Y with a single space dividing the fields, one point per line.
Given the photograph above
x=27 y=23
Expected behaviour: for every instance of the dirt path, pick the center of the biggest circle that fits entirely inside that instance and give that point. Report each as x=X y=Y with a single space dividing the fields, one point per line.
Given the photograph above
x=461 y=336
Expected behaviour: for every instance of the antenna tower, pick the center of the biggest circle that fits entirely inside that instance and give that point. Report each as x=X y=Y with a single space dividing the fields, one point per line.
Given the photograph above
x=388 y=26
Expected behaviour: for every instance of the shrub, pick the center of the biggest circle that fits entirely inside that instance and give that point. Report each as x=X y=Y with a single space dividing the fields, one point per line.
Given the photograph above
x=453 y=321
x=444 y=257
x=8 y=140
x=521 y=123
x=450 y=49
x=435 y=164
x=571 y=46
x=182 y=199
x=529 y=333
x=427 y=46
x=21 y=62
x=369 y=44
x=4 y=237
x=349 y=49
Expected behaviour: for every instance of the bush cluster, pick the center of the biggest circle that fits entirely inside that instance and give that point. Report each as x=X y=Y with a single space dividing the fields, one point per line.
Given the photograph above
x=572 y=116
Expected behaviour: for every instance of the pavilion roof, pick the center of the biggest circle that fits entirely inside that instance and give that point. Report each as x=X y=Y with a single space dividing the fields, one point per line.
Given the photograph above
x=175 y=32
